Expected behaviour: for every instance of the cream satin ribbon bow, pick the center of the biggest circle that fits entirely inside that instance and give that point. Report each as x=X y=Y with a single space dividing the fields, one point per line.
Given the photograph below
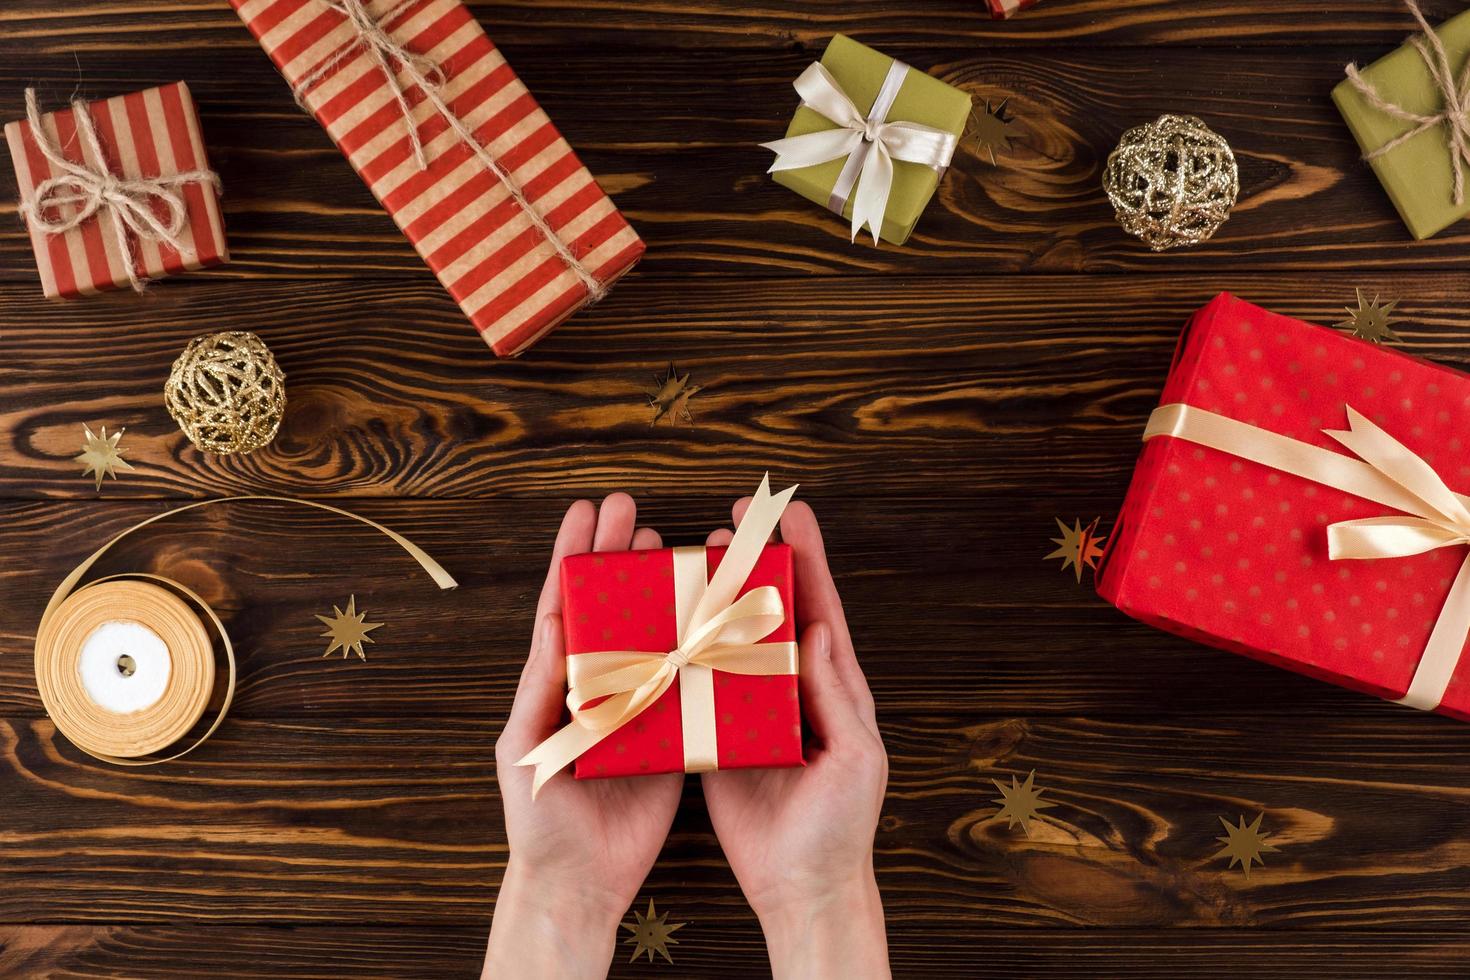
x=870 y=144
x=1387 y=473
x=716 y=632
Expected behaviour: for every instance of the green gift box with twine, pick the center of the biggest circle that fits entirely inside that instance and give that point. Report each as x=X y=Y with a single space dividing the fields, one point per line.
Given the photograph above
x=916 y=117
x=1401 y=110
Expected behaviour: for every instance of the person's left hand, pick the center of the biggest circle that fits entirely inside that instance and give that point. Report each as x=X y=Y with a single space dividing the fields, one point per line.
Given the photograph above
x=580 y=851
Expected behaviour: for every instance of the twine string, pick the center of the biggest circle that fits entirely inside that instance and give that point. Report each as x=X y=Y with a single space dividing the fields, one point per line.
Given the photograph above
x=428 y=75
x=1455 y=115
x=64 y=202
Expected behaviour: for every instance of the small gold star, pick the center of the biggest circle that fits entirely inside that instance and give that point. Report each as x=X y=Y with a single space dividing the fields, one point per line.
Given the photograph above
x=1021 y=802
x=670 y=397
x=1079 y=546
x=100 y=455
x=1243 y=844
x=992 y=129
x=651 y=934
x=1370 y=320
x=347 y=630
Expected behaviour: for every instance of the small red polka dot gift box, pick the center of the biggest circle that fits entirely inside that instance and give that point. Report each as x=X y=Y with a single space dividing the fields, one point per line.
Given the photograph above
x=1295 y=501
x=681 y=659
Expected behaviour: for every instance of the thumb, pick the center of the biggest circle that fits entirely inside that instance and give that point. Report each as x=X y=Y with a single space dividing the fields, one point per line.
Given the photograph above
x=540 y=695
x=825 y=700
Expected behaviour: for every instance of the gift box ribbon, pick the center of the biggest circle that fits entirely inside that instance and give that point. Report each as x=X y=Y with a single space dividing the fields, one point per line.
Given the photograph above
x=716 y=631
x=870 y=143
x=1387 y=473
x=1455 y=116
x=371 y=33
x=80 y=190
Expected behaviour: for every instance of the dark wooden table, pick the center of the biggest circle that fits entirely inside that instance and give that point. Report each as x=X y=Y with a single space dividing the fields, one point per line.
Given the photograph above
x=939 y=403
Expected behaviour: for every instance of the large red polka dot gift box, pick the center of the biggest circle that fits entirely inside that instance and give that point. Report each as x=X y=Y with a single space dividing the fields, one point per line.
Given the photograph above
x=1296 y=501
x=680 y=659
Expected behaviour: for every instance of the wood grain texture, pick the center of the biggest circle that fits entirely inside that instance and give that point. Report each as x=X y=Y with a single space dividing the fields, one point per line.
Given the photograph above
x=382 y=820
x=184 y=952
x=182 y=24
x=674 y=136
x=940 y=404
x=937 y=387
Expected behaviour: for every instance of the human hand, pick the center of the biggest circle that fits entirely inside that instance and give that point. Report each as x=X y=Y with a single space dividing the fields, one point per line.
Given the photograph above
x=800 y=841
x=580 y=851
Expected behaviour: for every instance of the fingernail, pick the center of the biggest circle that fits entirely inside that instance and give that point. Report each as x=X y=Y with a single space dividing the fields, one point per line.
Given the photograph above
x=543 y=635
x=822 y=640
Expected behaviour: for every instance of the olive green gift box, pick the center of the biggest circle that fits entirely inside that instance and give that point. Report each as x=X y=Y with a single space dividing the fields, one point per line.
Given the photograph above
x=1418 y=176
x=923 y=99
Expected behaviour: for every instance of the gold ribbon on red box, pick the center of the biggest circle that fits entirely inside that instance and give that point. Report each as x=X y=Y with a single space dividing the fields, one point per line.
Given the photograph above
x=1385 y=472
x=716 y=631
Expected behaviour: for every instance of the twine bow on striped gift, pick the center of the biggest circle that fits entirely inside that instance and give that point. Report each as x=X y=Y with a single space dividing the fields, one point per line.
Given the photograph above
x=1455 y=114
x=372 y=34
x=146 y=208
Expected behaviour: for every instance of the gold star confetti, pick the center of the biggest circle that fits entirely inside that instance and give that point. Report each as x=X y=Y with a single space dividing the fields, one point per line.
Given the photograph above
x=1021 y=802
x=100 y=455
x=1078 y=546
x=652 y=934
x=670 y=397
x=1370 y=320
x=1243 y=844
x=347 y=630
x=992 y=129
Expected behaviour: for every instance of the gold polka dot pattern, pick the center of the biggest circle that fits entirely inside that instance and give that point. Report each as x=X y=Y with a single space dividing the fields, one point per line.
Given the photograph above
x=625 y=601
x=1234 y=555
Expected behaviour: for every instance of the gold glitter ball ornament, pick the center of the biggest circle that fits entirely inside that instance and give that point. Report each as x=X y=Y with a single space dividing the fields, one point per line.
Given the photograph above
x=1172 y=181
x=226 y=392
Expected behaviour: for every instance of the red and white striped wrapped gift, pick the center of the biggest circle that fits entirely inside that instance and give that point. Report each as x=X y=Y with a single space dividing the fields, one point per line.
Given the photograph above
x=148 y=134
x=511 y=281
x=1001 y=9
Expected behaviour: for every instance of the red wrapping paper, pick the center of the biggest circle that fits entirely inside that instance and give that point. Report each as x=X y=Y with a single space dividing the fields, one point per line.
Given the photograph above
x=1001 y=9
x=625 y=601
x=504 y=273
x=151 y=133
x=1234 y=554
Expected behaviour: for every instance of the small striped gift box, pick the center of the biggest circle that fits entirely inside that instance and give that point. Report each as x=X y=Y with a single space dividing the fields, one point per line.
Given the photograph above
x=518 y=256
x=1001 y=9
x=140 y=136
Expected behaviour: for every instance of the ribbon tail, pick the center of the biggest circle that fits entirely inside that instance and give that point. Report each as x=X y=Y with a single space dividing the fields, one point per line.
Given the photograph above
x=557 y=752
x=1389 y=537
x=1401 y=465
x=744 y=550
x=810 y=149
x=1446 y=645
x=870 y=202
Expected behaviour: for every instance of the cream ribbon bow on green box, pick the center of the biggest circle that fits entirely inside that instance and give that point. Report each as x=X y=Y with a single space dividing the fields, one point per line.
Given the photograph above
x=870 y=143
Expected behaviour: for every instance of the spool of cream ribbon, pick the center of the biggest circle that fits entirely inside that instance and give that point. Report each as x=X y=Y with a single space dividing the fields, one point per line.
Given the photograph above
x=126 y=665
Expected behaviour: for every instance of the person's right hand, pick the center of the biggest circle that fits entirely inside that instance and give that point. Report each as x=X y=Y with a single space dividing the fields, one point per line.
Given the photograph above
x=800 y=840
